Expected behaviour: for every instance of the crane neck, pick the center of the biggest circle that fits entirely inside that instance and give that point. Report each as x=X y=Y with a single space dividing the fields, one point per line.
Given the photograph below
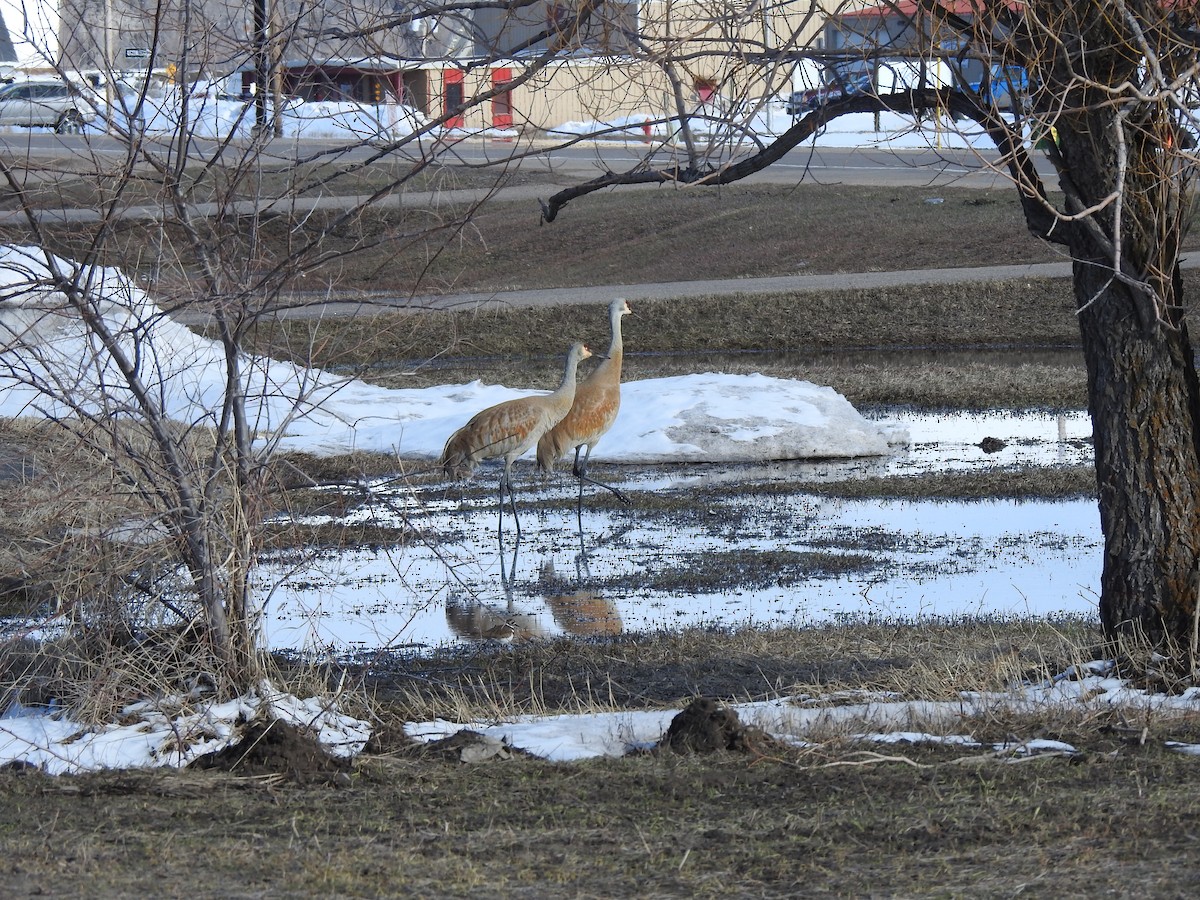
x=567 y=388
x=615 y=346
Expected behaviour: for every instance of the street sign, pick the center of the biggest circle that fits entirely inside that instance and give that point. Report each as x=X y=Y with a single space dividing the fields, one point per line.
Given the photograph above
x=137 y=53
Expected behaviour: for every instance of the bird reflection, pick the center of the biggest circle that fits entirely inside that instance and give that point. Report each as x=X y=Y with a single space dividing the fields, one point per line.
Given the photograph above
x=581 y=612
x=473 y=620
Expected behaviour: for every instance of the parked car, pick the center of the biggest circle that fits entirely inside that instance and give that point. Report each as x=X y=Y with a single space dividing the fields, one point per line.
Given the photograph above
x=800 y=102
x=54 y=104
x=1007 y=88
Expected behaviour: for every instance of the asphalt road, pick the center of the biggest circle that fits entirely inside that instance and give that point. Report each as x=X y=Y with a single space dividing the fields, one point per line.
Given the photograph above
x=929 y=165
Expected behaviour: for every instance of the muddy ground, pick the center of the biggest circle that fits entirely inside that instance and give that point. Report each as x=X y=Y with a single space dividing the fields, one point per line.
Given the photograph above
x=838 y=818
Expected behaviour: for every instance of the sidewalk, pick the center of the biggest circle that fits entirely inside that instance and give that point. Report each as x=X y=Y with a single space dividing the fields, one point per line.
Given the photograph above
x=675 y=289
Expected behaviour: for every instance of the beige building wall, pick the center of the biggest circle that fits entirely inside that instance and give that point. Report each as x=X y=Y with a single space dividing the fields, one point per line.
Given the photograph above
x=724 y=53
x=698 y=39
x=703 y=45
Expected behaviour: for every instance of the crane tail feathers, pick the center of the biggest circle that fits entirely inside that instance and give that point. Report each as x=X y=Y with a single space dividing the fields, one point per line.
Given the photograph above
x=550 y=450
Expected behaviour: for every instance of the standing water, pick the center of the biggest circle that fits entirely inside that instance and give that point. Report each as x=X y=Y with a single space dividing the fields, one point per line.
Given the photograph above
x=743 y=544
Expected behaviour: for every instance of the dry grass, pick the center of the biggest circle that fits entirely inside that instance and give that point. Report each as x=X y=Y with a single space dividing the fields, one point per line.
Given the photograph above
x=906 y=822
x=931 y=660
x=1043 y=483
x=833 y=818
x=1031 y=314
x=632 y=236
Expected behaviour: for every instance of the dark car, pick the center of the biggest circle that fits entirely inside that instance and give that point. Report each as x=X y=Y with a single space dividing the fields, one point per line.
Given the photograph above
x=800 y=102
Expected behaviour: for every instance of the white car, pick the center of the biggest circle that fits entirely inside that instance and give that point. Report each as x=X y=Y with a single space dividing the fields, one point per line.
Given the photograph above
x=53 y=104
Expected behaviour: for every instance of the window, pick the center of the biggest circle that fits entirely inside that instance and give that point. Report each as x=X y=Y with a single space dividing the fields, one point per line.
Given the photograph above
x=502 y=109
x=452 y=97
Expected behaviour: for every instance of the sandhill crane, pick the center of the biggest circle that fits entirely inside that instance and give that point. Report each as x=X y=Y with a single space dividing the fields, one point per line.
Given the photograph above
x=510 y=428
x=597 y=401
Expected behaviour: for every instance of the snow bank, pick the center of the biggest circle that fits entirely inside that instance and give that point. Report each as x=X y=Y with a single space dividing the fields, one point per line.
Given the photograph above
x=711 y=417
x=169 y=732
x=211 y=115
x=880 y=718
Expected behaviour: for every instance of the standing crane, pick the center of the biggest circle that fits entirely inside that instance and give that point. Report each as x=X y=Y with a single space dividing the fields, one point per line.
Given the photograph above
x=510 y=428
x=597 y=401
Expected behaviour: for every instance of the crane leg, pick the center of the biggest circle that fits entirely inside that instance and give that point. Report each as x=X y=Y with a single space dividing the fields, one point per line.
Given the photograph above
x=508 y=576
x=579 y=470
x=579 y=504
x=500 y=514
x=506 y=479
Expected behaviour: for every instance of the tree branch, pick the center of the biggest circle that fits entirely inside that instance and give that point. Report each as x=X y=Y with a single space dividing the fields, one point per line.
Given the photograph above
x=917 y=101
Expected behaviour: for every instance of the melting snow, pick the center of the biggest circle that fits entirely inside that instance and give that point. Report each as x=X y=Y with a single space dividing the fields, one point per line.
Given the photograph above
x=729 y=418
x=169 y=732
x=572 y=737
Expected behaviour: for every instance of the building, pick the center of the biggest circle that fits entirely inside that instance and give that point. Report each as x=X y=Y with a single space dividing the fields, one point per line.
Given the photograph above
x=373 y=52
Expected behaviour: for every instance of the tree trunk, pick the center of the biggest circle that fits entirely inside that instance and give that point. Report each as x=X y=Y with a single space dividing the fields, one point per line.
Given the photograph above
x=1145 y=405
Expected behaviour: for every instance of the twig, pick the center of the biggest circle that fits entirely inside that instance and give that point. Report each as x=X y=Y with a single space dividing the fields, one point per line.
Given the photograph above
x=1195 y=625
x=870 y=758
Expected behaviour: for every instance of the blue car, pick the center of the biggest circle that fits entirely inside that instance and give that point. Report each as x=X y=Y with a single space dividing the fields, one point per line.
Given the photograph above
x=1008 y=88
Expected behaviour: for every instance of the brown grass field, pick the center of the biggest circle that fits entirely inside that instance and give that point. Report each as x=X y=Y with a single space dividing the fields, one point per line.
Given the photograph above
x=837 y=818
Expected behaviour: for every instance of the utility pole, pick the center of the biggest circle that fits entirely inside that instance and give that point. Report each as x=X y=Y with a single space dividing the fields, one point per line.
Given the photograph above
x=107 y=69
x=262 y=65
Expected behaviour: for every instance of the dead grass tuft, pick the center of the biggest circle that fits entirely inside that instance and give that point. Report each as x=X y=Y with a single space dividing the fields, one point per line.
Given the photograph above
x=934 y=660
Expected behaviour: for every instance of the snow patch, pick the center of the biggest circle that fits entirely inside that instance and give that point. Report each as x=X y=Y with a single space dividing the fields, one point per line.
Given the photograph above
x=167 y=732
x=710 y=417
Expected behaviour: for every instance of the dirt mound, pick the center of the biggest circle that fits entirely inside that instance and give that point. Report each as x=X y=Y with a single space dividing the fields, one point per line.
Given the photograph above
x=277 y=748
x=706 y=726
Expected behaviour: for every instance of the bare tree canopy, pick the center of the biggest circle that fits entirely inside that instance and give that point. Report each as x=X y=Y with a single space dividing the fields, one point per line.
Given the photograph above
x=199 y=96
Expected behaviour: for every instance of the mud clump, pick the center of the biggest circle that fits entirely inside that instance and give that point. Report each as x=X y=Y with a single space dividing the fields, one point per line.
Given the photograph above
x=277 y=748
x=707 y=726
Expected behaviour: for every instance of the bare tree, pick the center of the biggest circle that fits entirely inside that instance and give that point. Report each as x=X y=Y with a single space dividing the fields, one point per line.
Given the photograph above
x=193 y=178
x=1104 y=88
x=1108 y=92
x=218 y=207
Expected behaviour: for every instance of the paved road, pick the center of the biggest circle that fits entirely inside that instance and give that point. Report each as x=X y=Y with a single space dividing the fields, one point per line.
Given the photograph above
x=859 y=162
x=674 y=289
x=44 y=156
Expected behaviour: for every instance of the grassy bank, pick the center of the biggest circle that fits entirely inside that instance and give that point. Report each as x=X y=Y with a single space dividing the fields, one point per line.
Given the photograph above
x=841 y=338
x=1027 y=313
x=629 y=236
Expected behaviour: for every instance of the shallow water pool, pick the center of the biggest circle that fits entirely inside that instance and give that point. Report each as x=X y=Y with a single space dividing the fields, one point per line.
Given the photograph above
x=781 y=557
